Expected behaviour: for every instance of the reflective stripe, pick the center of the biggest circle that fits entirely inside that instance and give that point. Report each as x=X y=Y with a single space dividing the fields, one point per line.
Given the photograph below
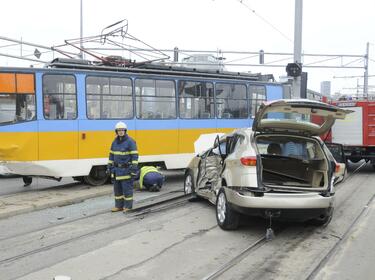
x=120 y=153
x=144 y=171
x=112 y=175
x=119 y=197
x=123 y=177
x=135 y=161
x=110 y=161
x=128 y=198
x=124 y=153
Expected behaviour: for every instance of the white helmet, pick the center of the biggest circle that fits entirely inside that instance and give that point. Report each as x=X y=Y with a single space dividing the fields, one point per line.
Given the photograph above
x=121 y=125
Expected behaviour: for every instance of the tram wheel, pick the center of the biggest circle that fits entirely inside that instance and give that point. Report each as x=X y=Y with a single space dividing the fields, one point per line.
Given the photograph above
x=27 y=180
x=97 y=176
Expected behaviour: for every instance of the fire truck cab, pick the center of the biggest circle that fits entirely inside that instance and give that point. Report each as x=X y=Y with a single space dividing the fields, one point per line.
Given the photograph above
x=357 y=131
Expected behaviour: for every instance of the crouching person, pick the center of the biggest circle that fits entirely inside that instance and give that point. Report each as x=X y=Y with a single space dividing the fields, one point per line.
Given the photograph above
x=150 y=179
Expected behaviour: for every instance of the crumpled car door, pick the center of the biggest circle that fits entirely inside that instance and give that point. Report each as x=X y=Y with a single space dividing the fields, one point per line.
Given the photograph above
x=209 y=172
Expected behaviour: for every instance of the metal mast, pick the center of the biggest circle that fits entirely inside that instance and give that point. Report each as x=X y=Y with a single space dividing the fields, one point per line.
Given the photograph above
x=81 y=30
x=365 y=78
x=297 y=45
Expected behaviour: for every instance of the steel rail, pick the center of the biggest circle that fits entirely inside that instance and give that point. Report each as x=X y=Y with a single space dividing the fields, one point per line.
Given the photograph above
x=343 y=238
x=88 y=216
x=251 y=248
x=133 y=216
x=262 y=241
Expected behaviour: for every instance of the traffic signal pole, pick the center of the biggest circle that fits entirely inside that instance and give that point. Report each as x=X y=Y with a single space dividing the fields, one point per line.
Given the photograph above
x=297 y=45
x=365 y=80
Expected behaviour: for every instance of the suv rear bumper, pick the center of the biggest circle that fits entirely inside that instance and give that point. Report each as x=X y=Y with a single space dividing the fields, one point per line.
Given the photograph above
x=285 y=214
x=309 y=200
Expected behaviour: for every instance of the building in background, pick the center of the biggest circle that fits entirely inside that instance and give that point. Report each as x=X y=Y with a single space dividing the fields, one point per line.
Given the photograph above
x=325 y=88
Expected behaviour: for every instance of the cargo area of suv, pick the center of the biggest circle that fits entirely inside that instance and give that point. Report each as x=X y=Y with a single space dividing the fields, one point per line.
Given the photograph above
x=292 y=162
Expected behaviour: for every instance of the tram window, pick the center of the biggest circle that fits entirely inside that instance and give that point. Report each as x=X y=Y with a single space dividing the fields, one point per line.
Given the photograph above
x=257 y=95
x=109 y=98
x=231 y=101
x=155 y=99
x=16 y=108
x=60 y=97
x=17 y=97
x=196 y=100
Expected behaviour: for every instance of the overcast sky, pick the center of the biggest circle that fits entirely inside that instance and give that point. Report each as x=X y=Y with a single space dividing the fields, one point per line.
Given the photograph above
x=329 y=27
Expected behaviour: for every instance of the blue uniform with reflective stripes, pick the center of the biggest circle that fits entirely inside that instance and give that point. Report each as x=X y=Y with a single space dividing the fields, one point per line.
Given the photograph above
x=123 y=159
x=151 y=178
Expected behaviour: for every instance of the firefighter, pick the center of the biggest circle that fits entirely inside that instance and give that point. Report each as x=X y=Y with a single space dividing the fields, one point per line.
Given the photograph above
x=151 y=179
x=122 y=166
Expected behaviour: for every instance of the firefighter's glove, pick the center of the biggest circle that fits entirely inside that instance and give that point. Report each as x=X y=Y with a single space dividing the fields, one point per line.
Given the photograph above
x=109 y=169
x=134 y=171
x=134 y=167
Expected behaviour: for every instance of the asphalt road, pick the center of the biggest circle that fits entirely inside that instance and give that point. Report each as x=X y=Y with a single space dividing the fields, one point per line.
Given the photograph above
x=9 y=184
x=85 y=241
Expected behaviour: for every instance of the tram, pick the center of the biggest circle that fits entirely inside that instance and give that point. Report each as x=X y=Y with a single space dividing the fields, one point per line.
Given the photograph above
x=58 y=121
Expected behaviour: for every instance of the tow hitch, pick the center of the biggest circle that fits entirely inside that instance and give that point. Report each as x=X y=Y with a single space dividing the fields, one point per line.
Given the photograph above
x=269 y=231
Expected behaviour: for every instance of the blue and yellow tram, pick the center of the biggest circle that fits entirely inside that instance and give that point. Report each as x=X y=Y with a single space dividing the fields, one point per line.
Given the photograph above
x=59 y=121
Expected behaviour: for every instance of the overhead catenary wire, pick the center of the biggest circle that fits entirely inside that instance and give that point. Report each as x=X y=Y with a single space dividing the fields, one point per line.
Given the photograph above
x=266 y=21
x=350 y=77
x=333 y=58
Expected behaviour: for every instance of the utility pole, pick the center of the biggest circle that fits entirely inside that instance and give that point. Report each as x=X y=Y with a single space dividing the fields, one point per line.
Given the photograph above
x=81 y=31
x=357 y=88
x=297 y=45
x=365 y=76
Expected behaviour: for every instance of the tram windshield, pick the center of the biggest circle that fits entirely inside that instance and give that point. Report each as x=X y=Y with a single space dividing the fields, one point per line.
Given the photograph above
x=17 y=98
x=15 y=108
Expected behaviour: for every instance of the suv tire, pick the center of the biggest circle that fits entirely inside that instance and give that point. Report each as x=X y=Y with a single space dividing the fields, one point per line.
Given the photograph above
x=226 y=217
x=325 y=220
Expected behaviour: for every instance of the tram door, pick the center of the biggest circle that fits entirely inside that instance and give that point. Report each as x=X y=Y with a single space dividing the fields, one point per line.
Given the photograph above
x=18 y=137
x=156 y=119
x=58 y=125
x=108 y=100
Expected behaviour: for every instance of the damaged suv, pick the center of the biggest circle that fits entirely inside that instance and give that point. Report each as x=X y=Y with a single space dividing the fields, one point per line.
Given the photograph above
x=280 y=168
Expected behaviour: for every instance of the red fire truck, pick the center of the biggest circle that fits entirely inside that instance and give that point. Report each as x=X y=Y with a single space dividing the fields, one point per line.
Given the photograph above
x=357 y=131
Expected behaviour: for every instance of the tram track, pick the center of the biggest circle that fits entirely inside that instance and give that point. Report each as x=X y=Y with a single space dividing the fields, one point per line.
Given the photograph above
x=340 y=241
x=262 y=240
x=103 y=212
x=132 y=216
x=257 y=243
x=29 y=189
x=251 y=248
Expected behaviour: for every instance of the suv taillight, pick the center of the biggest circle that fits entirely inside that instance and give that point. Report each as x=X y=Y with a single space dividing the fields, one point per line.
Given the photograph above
x=249 y=161
x=337 y=168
